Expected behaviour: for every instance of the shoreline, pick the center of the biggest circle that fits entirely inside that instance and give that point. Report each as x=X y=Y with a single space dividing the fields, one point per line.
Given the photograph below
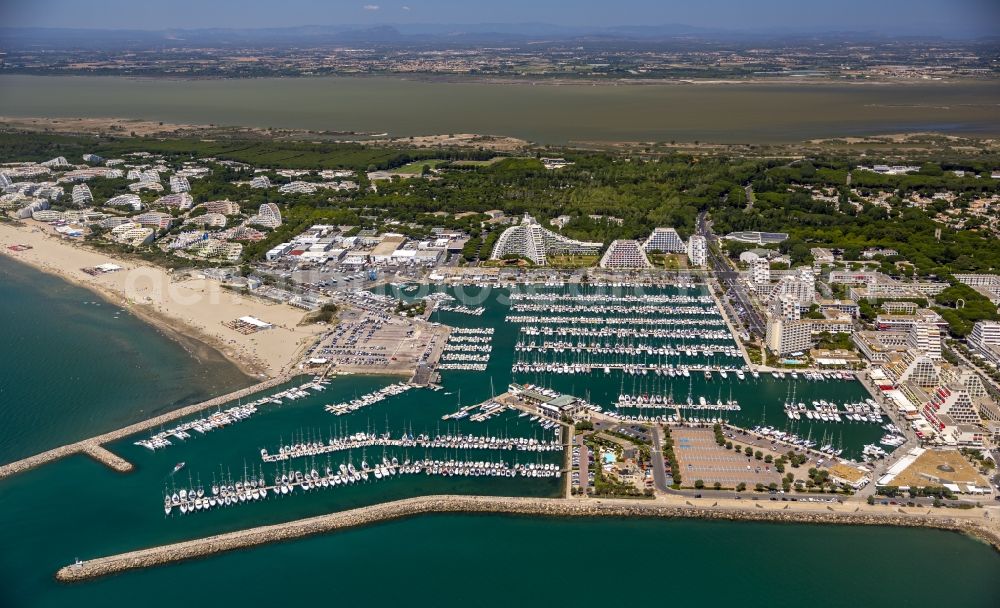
x=150 y=293
x=514 y=79
x=807 y=513
x=197 y=346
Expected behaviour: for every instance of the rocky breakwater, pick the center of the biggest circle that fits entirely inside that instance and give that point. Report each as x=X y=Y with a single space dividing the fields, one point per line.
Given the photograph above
x=92 y=446
x=552 y=507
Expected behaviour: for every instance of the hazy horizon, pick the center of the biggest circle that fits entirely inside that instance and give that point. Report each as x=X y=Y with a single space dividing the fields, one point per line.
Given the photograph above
x=960 y=18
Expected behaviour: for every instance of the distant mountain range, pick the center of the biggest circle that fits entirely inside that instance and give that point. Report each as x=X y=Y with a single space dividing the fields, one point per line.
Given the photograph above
x=400 y=34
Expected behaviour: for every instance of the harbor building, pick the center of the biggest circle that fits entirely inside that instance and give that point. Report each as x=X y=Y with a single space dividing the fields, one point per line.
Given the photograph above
x=786 y=331
x=697 y=250
x=625 y=254
x=786 y=337
x=530 y=240
x=664 y=240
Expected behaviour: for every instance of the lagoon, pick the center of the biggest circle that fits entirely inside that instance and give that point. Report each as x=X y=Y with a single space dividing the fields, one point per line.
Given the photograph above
x=550 y=113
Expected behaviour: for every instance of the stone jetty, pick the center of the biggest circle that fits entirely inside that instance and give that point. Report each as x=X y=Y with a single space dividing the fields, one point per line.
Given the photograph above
x=92 y=447
x=552 y=507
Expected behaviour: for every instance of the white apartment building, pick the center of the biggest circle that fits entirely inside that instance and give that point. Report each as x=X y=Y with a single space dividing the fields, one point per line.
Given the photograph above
x=82 y=195
x=697 y=250
x=665 y=240
x=125 y=200
x=269 y=216
x=156 y=220
x=529 y=240
x=801 y=285
x=215 y=249
x=625 y=254
x=223 y=207
x=209 y=220
x=760 y=271
x=785 y=337
x=925 y=337
x=59 y=161
x=985 y=340
x=132 y=234
x=260 y=182
x=180 y=200
x=297 y=187
x=179 y=184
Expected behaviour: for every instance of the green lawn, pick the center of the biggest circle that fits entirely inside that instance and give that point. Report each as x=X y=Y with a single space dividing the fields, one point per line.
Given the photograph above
x=417 y=167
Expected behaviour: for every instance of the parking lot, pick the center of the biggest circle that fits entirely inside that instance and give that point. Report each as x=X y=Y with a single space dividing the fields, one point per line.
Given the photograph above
x=701 y=458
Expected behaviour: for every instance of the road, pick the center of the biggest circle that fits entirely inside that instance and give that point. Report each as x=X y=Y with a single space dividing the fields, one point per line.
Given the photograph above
x=659 y=466
x=730 y=279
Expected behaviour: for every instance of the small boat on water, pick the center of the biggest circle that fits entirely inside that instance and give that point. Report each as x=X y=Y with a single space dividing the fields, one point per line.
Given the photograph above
x=178 y=467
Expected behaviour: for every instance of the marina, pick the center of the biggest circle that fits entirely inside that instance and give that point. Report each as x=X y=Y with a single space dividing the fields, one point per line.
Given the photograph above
x=362 y=440
x=496 y=426
x=223 y=418
x=254 y=488
x=339 y=409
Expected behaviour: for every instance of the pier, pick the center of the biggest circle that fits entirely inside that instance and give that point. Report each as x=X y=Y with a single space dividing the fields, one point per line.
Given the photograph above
x=969 y=522
x=92 y=446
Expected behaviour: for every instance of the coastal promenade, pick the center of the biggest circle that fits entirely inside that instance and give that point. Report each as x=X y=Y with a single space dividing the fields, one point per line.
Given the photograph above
x=92 y=447
x=976 y=522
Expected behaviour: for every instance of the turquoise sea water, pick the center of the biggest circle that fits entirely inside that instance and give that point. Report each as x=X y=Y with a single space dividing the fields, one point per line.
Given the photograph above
x=73 y=366
x=78 y=508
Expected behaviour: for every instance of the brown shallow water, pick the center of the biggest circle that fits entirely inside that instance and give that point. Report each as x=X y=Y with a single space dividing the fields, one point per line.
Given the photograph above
x=546 y=113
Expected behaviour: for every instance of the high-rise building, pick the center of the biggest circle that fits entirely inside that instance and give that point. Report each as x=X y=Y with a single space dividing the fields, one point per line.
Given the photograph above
x=625 y=254
x=697 y=250
x=268 y=216
x=529 y=240
x=801 y=285
x=179 y=184
x=926 y=338
x=760 y=271
x=664 y=240
x=82 y=195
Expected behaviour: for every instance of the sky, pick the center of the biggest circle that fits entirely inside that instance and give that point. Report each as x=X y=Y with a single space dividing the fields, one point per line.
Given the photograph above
x=942 y=17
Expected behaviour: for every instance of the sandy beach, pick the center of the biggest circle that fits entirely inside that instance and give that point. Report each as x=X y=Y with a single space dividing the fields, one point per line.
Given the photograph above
x=191 y=307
